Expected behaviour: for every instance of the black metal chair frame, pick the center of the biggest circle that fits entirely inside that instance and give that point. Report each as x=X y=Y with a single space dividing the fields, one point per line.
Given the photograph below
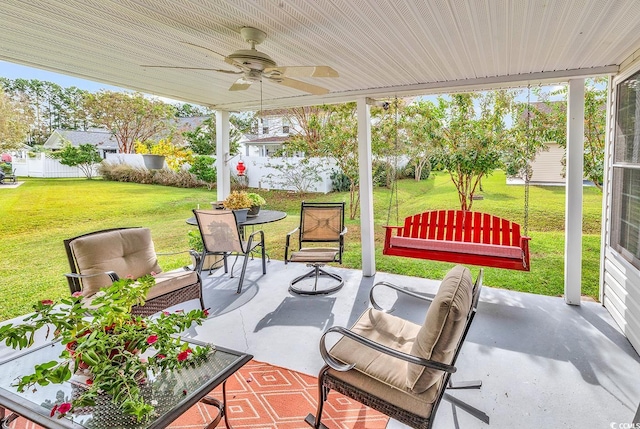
x=326 y=382
x=248 y=247
x=316 y=272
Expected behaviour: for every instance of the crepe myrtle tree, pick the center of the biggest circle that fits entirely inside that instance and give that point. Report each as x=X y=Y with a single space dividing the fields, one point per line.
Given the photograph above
x=471 y=142
x=84 y=157
x=130 y=117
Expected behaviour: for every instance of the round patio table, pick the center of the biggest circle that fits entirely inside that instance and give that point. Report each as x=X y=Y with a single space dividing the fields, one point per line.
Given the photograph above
x=265 y=216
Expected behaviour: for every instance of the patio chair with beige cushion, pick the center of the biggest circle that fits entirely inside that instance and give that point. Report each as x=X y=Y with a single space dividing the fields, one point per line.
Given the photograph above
x=400 y=368
x=99 y=258
x=320 y=241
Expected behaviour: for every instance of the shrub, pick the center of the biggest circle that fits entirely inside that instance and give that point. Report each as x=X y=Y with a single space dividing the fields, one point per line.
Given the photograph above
x=339 y=181
x=127 y=173
x=409 y=171
x=203 y=168
x=382 y=173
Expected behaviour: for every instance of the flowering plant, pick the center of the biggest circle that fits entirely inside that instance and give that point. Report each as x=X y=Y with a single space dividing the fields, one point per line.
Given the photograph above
x=116 y=350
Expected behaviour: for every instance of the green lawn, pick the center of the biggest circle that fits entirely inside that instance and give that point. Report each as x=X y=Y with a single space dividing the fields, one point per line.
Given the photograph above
x=38 y=215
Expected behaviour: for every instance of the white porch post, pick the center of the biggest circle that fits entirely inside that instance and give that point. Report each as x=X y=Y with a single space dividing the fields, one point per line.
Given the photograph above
x=222 y=154
x=573 y=204
x=366 y=189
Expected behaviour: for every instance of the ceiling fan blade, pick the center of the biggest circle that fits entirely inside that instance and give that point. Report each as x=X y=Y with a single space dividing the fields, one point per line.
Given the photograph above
x=302 y=86
x=240 y=84
x=191 y=68
x=303 y=71
x=205 y=50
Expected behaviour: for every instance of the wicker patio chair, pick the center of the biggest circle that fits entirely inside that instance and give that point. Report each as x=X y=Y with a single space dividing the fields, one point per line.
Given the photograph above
x=397 y=367
x=321 y=224
x=222 y=236
x=99 y=258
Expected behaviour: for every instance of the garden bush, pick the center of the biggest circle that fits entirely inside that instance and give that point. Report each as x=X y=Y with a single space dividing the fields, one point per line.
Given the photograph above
x=409 y=172
x=127 y=173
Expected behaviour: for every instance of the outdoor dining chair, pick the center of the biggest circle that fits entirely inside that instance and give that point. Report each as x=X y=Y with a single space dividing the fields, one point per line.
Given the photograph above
x=221 y=236
x=320 y=241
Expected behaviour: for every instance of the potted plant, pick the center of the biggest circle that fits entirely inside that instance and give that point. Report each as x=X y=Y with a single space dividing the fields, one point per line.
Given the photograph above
x=239 y=202
x=113 y=350
x=152 y=153
x=256 y=202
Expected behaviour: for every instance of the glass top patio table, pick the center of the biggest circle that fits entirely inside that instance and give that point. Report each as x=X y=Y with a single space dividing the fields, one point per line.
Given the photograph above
x=167 y=388
x=265 y=216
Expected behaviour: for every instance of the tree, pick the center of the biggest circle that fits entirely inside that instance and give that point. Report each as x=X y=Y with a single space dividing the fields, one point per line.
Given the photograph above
x=15 y=118
x=129 y=117
x=202 y=139
x=470 y=147
x=423 y=124
x=84 y=157
x=554 y=114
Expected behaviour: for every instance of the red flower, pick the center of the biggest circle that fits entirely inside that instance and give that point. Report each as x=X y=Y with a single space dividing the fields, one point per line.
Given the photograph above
x=89 y=382
x=184 y=391
x=206 y=312
x=152 y=339
x=53 y=410
x=184 y=355
x=130 y=276
x=77 y=294
x=166 y=313
x=153 y=273
x=160 y=356
x=64 y=408
x=46 y=302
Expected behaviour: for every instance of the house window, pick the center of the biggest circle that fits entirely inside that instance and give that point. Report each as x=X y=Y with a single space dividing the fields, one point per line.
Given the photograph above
x=285 y=129
x=265 y=130
x=625 y=228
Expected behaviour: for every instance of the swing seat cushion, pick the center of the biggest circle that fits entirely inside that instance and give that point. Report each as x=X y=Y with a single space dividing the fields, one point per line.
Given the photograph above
x=511 y=252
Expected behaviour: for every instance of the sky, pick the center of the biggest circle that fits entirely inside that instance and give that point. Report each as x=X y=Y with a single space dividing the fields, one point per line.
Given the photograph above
x=16 y=71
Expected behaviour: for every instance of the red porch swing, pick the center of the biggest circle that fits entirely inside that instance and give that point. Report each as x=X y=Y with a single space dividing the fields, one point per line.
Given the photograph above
x=457 y=236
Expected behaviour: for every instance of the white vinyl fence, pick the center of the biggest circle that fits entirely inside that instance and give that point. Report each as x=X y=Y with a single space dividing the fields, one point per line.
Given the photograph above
x=43 y=165
x=260 y=172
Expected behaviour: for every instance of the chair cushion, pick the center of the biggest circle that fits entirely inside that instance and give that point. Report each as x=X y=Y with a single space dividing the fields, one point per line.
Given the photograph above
x=315 y=254
x=444 y=324
x=375 y=372
x=170 y=281
x=126 y=251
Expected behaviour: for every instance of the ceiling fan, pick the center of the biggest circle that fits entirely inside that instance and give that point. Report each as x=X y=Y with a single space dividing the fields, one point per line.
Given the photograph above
x=253 y=66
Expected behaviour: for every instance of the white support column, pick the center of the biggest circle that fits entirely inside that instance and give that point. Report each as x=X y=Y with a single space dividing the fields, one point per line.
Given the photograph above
x=574 y=188
x=366 y=189
x=222 y=154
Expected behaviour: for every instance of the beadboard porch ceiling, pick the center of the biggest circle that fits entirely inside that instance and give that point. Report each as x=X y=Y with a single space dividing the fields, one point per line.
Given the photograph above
x=379 y=47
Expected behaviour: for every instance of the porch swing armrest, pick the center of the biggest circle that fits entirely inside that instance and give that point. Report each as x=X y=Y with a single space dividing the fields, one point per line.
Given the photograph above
x=399 y=289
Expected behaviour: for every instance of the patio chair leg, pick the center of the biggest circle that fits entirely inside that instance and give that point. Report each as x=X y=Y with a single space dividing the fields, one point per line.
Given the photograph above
x=264 y=264
x=322 y=396
x=315 y=274
x=244 y=268
x=478 y=414
x=472 y=384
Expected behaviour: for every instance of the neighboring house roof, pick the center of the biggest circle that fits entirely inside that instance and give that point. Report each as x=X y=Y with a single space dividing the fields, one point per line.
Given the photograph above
x=101 y=139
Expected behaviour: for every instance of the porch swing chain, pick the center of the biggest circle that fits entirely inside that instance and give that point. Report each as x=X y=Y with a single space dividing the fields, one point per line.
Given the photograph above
x=394 y=177
x=528 y=166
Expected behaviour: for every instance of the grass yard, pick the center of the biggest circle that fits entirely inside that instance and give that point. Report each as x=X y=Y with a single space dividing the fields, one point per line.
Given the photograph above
x=38 y=215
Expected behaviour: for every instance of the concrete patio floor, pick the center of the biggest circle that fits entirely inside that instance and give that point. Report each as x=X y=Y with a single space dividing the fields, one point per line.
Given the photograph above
x=543 y=364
